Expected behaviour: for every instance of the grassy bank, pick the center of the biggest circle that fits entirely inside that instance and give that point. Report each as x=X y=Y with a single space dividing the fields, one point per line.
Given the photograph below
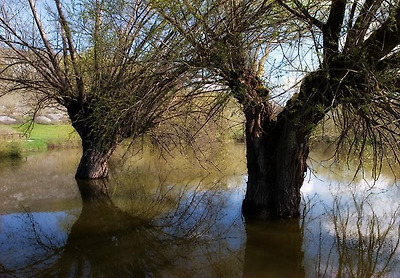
x=15 y=140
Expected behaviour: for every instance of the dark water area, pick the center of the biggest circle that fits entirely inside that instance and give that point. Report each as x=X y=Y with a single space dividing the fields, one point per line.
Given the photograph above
x=173 y=218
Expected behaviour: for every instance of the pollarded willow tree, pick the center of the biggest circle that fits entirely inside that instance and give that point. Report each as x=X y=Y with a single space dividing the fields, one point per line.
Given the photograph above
x=357 y=78
x=232 y=41
x=108 y=62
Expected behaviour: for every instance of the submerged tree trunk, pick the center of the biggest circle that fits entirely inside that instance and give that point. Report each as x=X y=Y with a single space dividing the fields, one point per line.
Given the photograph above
x=96 y=150
x=276 y=162
x=277 y=152
x=94 y=191
x=94 y=161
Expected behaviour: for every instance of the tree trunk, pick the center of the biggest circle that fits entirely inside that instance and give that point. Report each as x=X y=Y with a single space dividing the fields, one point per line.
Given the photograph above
x=94 y=160
x=96 y=150
x=94 y=191
x=276 y=160
x=278 y=148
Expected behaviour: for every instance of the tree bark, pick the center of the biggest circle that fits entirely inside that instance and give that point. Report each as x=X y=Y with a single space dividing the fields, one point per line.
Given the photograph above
x=276 y=162
x=94 y=191
x=278 y=148
x=94 y=161
x=96 y=151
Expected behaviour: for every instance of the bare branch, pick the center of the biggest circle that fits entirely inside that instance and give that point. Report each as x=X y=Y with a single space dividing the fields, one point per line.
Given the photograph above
x=72 y=51
x=303 y=14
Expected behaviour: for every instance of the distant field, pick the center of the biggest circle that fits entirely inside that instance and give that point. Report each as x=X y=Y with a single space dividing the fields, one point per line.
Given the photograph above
x=40 y=138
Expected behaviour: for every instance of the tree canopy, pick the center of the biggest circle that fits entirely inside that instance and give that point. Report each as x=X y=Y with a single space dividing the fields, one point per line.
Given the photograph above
x=109 y=63
x=358 y=47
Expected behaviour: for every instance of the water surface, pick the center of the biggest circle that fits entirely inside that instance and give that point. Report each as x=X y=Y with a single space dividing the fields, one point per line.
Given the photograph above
x=176 y=218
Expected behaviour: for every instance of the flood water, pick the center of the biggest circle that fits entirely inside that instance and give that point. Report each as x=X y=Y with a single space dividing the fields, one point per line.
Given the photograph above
x=172 y=217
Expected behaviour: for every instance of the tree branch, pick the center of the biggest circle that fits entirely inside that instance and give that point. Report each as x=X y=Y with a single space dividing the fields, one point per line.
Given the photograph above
x=386 y=38
x=356 y=32
x=303 y=14
x=332 y=27
x=50 y=52
x=71 y=50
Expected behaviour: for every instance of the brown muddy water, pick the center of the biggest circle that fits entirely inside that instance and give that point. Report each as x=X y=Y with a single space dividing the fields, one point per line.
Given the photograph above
x=175 y=218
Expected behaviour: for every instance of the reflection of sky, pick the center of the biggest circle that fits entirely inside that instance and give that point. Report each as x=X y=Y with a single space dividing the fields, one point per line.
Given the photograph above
x=26 y=237
x=382 y=196
x=352 y=204
x=214 y=220
x=223 y=242
x=212 y=215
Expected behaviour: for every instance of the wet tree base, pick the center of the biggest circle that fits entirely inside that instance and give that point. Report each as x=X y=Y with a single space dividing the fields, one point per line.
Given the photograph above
x=253 y=211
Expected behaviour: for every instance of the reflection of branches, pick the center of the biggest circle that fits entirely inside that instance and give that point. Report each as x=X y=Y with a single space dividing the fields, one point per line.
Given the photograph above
x=186 y=209
x=132 y=245
x=107 y=241
x=364 y=242
x=47 y=248
x=6 y=273
x=43 y=240
x=191 y=212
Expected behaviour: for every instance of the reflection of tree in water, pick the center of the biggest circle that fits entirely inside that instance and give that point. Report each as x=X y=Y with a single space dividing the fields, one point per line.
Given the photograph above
x=274 y=249
x=198 y=234
x=106 y=241
x=354 y=228
x=366 y=243
x=356 y=238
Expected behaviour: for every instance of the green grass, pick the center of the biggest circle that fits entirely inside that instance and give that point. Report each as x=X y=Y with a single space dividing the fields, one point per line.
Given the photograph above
x=43 y=137
x=40 y=138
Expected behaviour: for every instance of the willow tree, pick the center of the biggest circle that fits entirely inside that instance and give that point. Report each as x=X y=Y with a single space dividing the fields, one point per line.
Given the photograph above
x=232 y=40
x=357 y=78
x=357 y=81
x=106 y=61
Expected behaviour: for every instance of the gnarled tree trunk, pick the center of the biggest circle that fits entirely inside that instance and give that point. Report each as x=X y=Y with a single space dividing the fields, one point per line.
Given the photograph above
x=94 y=160
x=96 y=150
x=277 y=151
x=276 y=162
